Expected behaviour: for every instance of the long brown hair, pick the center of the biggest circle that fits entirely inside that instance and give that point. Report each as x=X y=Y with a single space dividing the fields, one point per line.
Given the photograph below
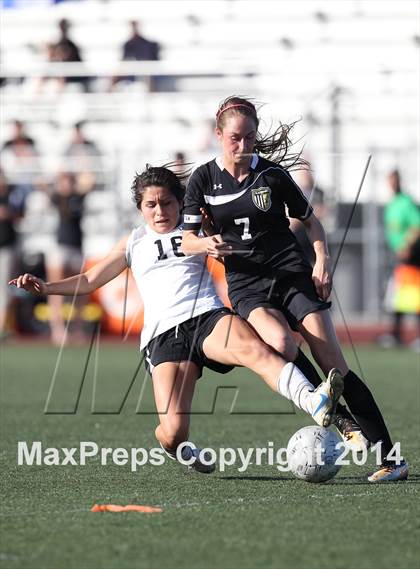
x=274 y=146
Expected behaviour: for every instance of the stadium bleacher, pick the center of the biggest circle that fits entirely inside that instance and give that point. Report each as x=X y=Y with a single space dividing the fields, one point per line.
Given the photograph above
x=291 y=55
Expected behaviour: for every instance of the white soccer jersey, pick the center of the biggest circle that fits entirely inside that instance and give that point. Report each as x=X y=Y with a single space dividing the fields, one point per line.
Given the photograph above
x=174 y=287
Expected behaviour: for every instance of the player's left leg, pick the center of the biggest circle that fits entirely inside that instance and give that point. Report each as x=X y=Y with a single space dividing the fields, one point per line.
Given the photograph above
x=232 y=341
x=272 y=326
x=318 y=330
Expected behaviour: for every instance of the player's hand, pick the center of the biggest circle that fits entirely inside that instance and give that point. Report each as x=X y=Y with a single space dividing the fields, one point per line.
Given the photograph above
x=207 y=224
x=30 y=283
x=216 y=247
x=322 y=277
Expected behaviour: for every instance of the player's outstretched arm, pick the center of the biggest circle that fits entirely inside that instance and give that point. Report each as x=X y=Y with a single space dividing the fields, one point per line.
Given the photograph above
x=84 y=283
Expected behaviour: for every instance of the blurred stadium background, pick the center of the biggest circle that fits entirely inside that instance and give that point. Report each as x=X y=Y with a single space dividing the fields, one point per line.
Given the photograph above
x=348 y=69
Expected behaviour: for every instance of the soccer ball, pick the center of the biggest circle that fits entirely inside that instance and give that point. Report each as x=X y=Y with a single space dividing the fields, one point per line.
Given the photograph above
x=312 y=453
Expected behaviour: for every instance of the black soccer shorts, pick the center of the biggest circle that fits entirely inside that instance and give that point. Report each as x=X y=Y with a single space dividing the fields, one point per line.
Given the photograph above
x=295 y=295
x=185 y=343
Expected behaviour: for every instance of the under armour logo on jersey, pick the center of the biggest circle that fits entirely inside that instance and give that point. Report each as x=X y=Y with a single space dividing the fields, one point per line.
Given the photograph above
x=217 y=186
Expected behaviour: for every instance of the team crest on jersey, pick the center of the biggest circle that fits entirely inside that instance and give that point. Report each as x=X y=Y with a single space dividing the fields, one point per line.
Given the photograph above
x=262 y=198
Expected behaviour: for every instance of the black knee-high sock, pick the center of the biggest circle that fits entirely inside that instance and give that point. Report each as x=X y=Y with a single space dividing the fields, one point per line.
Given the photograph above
x=307 y=368
x=309 y=371
x=366 y=412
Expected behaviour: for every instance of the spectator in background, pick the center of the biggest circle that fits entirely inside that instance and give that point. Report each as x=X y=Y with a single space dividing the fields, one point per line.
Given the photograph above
x=65 y=50
x=20 y=142
x=84 y=159
x=179 y=162
x=138 y=48
x=315 y=197
x=79 y=144
x=20 y=162
x=402 y=234
x=179 y=157
x=8 y=216
x=68 y=198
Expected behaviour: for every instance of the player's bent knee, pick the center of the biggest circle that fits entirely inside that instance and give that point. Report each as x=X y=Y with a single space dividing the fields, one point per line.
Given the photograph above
x=284 y=345
x=252 y=350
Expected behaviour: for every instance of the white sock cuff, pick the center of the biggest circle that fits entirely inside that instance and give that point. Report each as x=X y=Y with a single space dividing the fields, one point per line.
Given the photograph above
x=293 y=385
x=284 y=378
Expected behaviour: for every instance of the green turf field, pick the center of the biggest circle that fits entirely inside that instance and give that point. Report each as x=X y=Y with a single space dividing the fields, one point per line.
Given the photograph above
x=258 y=518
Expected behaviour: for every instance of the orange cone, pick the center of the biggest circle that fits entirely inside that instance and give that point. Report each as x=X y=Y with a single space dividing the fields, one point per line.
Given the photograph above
x=128 y=508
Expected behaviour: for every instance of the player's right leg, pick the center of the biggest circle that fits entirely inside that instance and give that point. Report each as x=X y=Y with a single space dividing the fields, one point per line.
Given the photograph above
x=174 y=376
x=233 y=341
x=173 y=386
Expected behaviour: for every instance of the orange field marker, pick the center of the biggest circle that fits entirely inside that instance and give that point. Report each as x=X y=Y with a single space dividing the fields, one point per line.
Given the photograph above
x=128 y=508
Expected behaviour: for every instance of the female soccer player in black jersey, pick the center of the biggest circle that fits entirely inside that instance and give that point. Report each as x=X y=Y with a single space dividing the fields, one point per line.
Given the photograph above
x=185 y=323
x=270 y=283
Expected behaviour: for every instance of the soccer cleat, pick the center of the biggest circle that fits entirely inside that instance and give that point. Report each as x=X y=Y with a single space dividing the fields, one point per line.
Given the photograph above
x=188 y=453
x=351 y=433
x=390 y=472
x=327 y=395
x=197 y=464
x=169 y=453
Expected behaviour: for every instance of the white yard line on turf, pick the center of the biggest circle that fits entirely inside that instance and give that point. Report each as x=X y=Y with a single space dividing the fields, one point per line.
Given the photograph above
x=206 y=503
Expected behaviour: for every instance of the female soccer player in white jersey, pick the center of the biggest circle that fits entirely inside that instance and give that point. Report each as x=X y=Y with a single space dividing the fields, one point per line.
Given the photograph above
x=270 y=283
x=186 y=326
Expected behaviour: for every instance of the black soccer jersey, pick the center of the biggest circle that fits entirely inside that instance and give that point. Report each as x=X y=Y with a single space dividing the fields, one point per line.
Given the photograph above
x=251 y=216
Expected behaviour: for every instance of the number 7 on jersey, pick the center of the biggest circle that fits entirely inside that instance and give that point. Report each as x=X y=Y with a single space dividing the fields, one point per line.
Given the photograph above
x=245 y=221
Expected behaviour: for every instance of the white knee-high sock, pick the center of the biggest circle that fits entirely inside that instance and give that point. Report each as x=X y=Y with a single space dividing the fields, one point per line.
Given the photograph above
x=293 y=385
